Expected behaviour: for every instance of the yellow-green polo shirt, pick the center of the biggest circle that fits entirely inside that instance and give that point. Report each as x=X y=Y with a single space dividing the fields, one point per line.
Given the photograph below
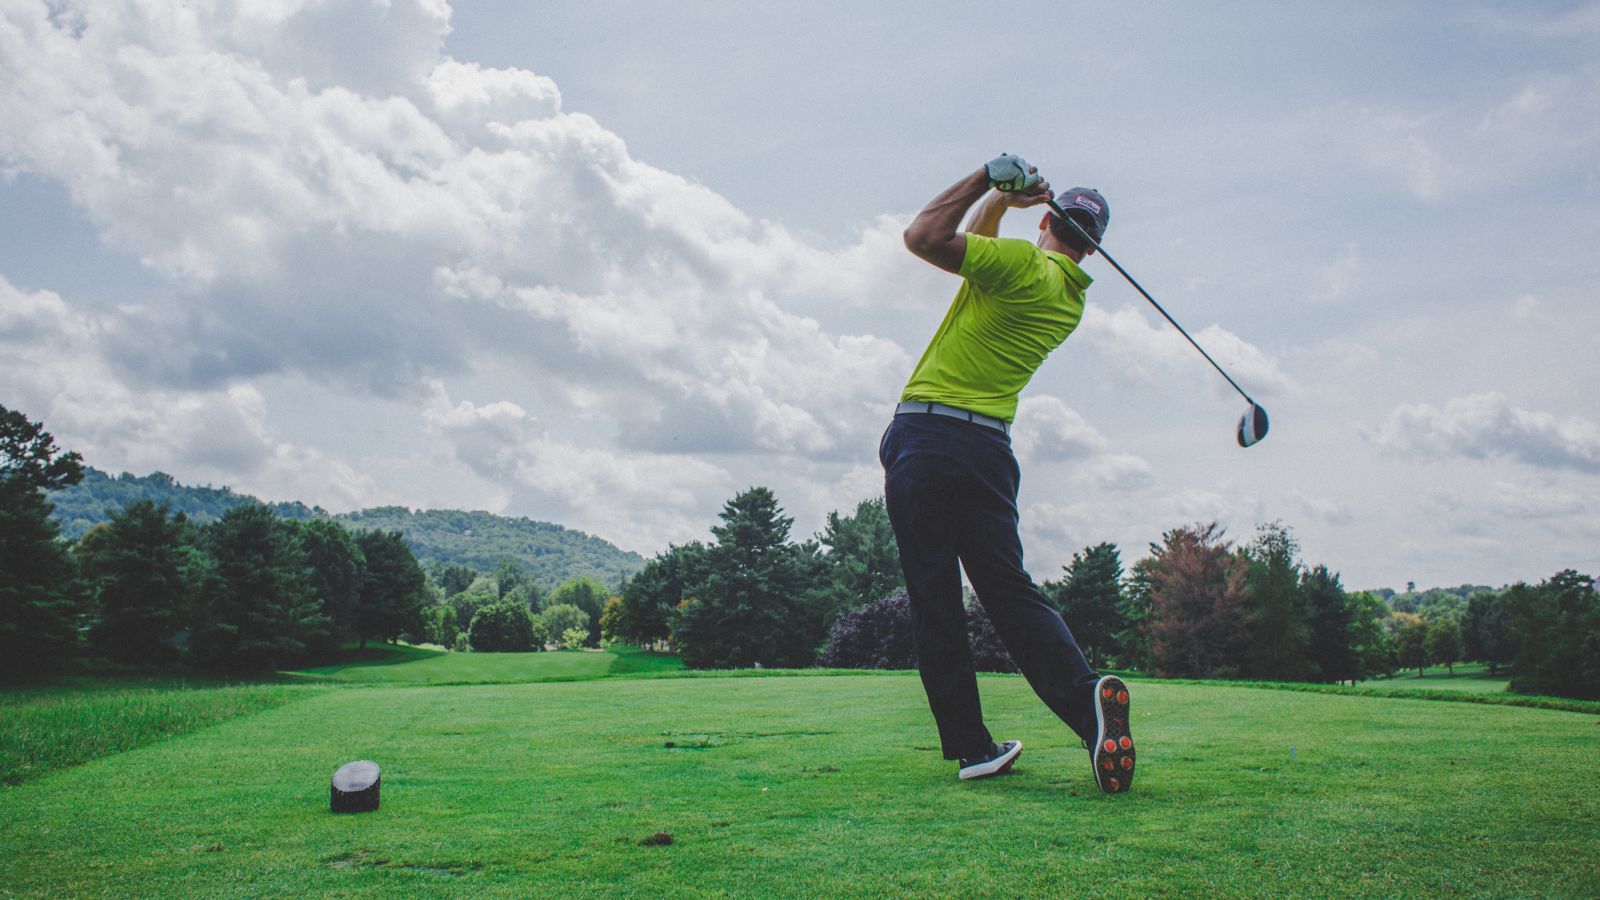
x=1017 y=303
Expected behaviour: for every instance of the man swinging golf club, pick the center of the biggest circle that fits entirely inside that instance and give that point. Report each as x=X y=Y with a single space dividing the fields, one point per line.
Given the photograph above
x=951 y=479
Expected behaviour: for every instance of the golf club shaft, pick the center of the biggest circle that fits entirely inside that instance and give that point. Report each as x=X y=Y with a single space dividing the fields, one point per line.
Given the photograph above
x=1124 y=272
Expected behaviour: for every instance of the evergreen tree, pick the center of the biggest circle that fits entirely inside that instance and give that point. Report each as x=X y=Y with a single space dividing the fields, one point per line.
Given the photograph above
x=259 y=610
x=1279 y=635
x=137 y=572
x=1197 y=593
x=393 y=588
x=1486 y=632
x=1557 y=629
x=1332 y=640
x=650 y=599
x=37 y=604
x=1132 y=641
x=337 y=570
x=862 y=562
x=1090 y=599
x=753 y=605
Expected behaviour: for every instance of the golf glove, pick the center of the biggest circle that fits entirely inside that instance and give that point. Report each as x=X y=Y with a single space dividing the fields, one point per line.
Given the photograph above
x=1008 y=173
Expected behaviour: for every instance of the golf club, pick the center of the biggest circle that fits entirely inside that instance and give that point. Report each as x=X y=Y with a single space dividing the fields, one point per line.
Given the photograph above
x=1253 y=424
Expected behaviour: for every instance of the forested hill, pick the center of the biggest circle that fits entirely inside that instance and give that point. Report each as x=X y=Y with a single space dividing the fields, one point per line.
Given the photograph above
x=550 y=553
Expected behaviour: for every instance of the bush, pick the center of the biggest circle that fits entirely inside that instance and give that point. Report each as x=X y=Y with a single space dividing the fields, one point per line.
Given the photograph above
x=573 y=638
x=876 y=636
x=562 y=617
x=988 y=653
x=501 y=628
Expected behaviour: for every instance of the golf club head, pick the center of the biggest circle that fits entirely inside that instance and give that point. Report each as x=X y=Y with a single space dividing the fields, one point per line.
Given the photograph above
x=1252 y=425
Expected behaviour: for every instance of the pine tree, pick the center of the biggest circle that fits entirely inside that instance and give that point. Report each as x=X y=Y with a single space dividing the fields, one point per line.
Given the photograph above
x=862 y=563
x=1279 y=636
x=394 y=589
x=37 y=604
x=753 y=606
x=337 y=569
x=137 y=572
x=259 y=612
x=1332 y=622
x=1090 y=599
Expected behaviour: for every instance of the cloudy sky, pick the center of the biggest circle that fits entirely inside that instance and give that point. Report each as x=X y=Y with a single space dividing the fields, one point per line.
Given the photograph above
x=606 y=264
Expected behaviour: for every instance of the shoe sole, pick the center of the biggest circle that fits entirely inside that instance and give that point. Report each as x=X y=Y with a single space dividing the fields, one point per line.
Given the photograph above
x=1113 y=746
x=993 y=767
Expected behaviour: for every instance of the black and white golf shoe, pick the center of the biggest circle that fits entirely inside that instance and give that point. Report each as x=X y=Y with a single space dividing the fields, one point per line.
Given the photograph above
x=1112 y=753
x=997 y=760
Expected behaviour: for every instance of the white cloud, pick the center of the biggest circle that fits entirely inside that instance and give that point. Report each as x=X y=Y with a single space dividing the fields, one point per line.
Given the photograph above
x=1487 y=426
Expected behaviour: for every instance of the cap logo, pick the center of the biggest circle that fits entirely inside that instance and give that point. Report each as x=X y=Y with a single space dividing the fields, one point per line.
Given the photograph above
x=1086 y=203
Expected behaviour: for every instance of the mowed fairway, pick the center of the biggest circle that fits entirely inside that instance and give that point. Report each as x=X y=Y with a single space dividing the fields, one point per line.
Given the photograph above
x=821 y=786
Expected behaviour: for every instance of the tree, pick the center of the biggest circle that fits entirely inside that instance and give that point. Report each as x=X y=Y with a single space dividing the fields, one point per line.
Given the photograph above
x=989 y=653
x=1411 y=641
x=1279 y=636
x=753 y=605
x=393 y=589
x=454 y=579
x=611 y=622
x=513 y=584
x=37 y=605
x=1370 y=643
x=259 y=611
x=1557 y=629
x=467 y=603
x=337 y=571
x=502 y=627
x=875 y=636
x=650 y=599
x=862 y=562
x=562 y=618
x=1197 y=594
x=586 y=594
x=1090 y=599
x=1486 y=632
x=1132 y=640
x=136 y=570
x=1331 y=624
x=1442 y=643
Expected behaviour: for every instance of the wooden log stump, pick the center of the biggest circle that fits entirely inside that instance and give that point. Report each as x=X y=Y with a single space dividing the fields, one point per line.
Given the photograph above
x=355 y=787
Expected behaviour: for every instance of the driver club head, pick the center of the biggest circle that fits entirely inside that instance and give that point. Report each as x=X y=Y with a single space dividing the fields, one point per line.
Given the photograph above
x=1252 y=425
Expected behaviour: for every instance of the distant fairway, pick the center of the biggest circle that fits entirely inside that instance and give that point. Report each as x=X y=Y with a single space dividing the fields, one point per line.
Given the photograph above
x=414 y=665
x=820 y=786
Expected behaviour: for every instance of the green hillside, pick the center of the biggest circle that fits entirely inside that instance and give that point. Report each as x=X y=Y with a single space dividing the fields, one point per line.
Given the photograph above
x=551 y=553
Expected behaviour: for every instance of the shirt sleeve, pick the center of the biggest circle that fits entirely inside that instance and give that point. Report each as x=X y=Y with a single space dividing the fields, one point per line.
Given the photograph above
x=999 y=266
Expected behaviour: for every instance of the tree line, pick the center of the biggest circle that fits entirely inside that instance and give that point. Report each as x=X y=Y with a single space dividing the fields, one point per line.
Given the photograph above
x=248 y=592
x=252 y=591
x=1197 y=606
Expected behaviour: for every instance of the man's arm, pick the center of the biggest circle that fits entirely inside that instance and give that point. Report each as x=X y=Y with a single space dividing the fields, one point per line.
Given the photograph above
x=935 y=235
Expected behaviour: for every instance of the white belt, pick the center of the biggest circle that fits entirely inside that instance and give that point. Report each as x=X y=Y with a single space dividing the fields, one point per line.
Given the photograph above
x=923 y=407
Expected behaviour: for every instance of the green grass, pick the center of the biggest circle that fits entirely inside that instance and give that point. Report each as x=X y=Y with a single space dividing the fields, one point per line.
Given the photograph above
x=61 y=725
x=415 y=665
x=821 y=786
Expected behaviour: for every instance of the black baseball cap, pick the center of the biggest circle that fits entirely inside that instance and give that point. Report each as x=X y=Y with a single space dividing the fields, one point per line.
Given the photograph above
x=1088 y=207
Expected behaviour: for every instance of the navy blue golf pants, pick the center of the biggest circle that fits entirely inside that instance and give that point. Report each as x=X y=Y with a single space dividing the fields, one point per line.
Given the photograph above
x=951 y=490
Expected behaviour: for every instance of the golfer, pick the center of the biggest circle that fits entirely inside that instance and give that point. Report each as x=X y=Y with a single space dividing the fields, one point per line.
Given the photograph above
x=951 y=479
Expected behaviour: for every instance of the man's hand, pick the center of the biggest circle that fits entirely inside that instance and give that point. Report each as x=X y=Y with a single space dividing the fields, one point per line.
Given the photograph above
x=934 y=235
x=1010 y=174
